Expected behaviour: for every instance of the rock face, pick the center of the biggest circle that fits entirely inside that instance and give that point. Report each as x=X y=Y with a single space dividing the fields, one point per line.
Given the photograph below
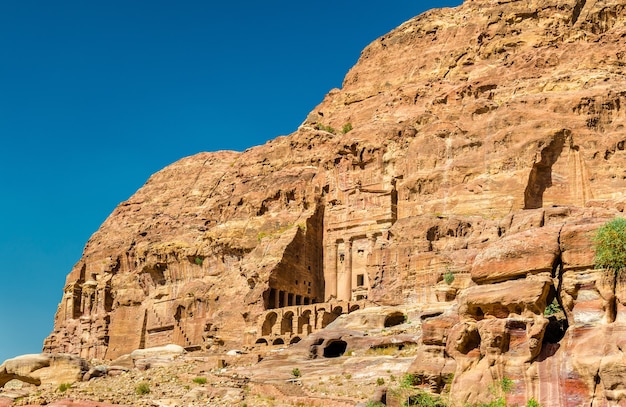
x=484 y=142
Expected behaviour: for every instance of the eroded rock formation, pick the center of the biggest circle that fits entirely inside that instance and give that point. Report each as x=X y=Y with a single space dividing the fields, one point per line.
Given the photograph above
x=485 y=141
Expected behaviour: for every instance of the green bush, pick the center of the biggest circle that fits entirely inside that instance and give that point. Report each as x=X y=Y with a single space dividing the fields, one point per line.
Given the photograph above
x=552 y=308
x=409 y=380
x=448 y=277
x=346 y=128
x=610 y=245
x=63 y=387
x=199 y=380
x=506 y=385
x=199 y=261
x=296 y=372
x=320 y=126
x=424 y=399
x=380 y=381
x=142 y=388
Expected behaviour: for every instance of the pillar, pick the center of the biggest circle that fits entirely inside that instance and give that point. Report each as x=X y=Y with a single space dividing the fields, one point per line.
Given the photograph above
x=330 y=273
x=344 y=278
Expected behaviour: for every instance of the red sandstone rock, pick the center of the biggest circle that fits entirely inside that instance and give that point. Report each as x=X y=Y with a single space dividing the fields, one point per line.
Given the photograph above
x=487 y=141
x=519 y=254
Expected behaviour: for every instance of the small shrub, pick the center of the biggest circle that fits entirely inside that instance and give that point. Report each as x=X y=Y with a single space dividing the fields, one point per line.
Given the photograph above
x=320 y=126
x=374 y=404
x=533 y=403
x=63 y=387
x=347 y=376
x=199 y=380
x=199 y=261
x=142 y=388
x=424 y=399
x=552 y=308
x=448 y=277
x=296 y=372
x=346 y=128
x=380 y=381
x=409 y=380
x=506 y=385
x=382 y=351
x=610 y=245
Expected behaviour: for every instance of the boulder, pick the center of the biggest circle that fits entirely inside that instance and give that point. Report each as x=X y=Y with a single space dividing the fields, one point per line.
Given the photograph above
x=156 y=356
x=530 y=252
x=44 y=369
x=526 y=297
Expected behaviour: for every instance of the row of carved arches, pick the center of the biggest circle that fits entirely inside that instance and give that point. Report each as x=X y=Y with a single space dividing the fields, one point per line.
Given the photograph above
x=290 y=325
x=277 y=341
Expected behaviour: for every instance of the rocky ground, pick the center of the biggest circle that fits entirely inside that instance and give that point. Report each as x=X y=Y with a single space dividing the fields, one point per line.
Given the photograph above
x=375 y=361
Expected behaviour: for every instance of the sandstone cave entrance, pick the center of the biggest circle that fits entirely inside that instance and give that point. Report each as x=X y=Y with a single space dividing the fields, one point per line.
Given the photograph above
x=334 y=349
x=395 y=318
x=557 y=321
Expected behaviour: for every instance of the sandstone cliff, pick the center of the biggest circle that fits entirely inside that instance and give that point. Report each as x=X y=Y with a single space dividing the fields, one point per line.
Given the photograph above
x=485 y=141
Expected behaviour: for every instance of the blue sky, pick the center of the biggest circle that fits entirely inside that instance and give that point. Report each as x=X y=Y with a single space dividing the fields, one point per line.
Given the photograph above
x=95 y=96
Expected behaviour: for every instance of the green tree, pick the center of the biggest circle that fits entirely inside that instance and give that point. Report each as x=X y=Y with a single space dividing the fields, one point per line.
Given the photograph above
x=610 y=246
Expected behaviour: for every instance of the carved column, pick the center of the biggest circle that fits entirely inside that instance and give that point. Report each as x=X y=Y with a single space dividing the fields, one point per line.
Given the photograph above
x=344 y=289
x=330 y=275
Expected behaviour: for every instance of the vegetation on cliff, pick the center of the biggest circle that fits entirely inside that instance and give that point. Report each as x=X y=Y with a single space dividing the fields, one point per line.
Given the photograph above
x=610 y=244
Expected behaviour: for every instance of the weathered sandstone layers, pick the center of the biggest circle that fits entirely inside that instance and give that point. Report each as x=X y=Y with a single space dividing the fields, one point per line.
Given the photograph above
x=487 y=141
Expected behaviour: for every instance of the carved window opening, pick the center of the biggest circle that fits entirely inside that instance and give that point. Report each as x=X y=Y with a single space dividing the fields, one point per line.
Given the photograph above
x=360 y=280
x=268 y=324
x=304 y=322
x=271 y=301
x=286 y=325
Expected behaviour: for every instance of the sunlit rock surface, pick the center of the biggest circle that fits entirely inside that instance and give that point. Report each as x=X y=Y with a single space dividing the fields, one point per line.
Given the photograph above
x=484 y=142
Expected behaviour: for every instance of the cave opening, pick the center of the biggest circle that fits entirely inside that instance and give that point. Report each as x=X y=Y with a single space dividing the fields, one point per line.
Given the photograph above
x=395 y=318
x=554 y=312
x=334 y=349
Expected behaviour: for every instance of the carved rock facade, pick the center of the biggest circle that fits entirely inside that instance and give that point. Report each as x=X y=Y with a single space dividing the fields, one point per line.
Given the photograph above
x=487 y=141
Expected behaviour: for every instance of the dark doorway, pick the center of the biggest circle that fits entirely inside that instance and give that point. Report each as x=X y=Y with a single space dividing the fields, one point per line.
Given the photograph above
x=335 y=349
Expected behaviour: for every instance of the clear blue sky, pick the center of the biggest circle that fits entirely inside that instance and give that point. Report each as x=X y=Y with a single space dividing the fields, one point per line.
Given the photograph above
x=95 y=96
